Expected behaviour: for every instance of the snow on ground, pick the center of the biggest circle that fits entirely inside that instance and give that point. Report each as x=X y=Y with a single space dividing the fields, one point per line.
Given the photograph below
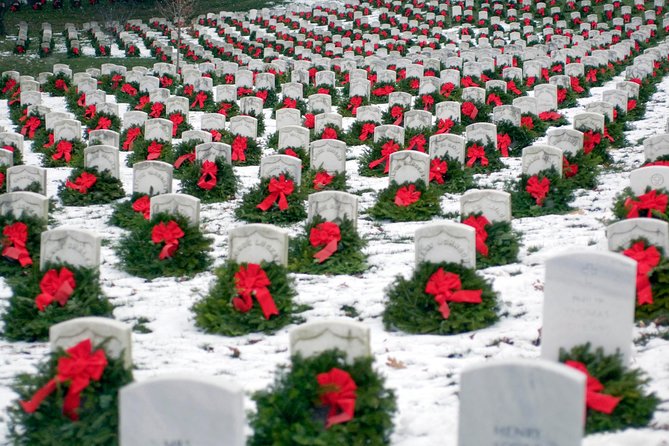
x=427 y=387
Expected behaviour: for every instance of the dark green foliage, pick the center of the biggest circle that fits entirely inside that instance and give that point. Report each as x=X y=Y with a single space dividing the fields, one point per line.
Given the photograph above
x=520 y=137
x=425 y=208
x=216 y=313
x=140 y=151
x=183 y=148
x=248 y=211
x=659 y=309
x=338 y=182
x=620 y=211
x=458 y=178
x=348 y=259
x=76 y=160
x=289 y=413
x=491 y=153
x=10 y=267
x=301 y=153
x=560 y=193
x=588 y=169
x=140 y=256
x=105 y=190
x=636 y=407
x=503 y=245
x=352 y=138
x=23 y=320
x=98 y=411
x=253 y=152
x=226 y=182
x=124 y=216
x=616 y=130
x=375 y=152
x=17 y=157
x=409 y=308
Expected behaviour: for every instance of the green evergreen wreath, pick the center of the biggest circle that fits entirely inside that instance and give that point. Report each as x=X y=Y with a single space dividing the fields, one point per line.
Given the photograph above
x=301 y=153
x=124 y=216
x=248 y=211
x=181 y=149
x=77 y=155
x=588 y=170
x=457 y=178
x=503 y=244
x=273 y=141
x=289 y=412
x=352 y=137
x=338 y=182
x=348 y=259
x=23 y=320
x=636 y=407
x=93 y=123
x=621 y=212
x=253 y=152
x=560 y=193
x=491 y=153
x=616 y=130
x=373 y=153
x=98 y=411
x=658 y=311
x=105 y=190
x=600 y=150
x=140 y=256
x=520 y=136
x=10 y=267
x=226 y=187
x=387 y=117
x=17 y=157
x=409 y=308
x=140 y=151
x=427 y=206
x=215 y=313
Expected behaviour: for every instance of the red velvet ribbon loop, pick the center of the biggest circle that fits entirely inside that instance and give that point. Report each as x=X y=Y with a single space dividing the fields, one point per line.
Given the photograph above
x=279 y=189
x=649 y=202
x=479 y=224
x=169 y=233
x=447 y=287
x=476 y=153
x=252 y=281
x=388 y=148
x=208 y=173
x=594 y=399
x=56 y=286
x=647 y=258
x=82 y=183
x=538 y=189
x=339 y=393
x=16 y=237
x=325 y=234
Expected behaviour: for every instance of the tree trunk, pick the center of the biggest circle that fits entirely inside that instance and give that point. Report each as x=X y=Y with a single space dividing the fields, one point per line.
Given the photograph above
x=178 y=47
x=3 y=30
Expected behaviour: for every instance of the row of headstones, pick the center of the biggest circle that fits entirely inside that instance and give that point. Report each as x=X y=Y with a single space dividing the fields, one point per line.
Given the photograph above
x=515 y=36
x=514 y=27
x=499 y=401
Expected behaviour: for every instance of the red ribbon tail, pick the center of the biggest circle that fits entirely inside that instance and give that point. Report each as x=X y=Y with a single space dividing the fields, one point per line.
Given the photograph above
x=39 y=396
x=169 y=249
x=268 y=202
x=266 y=302
x=326 y=252
x=183 y=158
x=347 y=406
x=443 y=308
x=644 y=290
x=283 y=202
x=602 y=402
x=481 y=247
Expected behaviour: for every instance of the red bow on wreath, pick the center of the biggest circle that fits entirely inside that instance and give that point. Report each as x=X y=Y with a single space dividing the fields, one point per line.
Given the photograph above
x=83 y=182
x=104 y=123
x=154 y=150
x=239 y=146
x=590 y=140
x=289 y=103
x=16 y=237
x=157 y=109
x=169 y=233
x=309 y=120
x=338 y=390
x=56 y=286
x=322 y=179
x=475 y=153
x=388 y=148
x=215 y=135
x=353 y=104
x=650 y=201
x=503 y=143
x=407 y=195
x=63 y=151
x=428 y=101
x=199 y=100
x=397 y=113
x=252 y=281
x=444 y=126
x=447 y=287
x=143 y=206
x=367 y=131
x=31 y=125
x=470 y=110
x=279 y=189
x=438 y=169
x=132 y=135
x=538 y=189
x=78 y=368
x=646 y=260
x=208 y=173
x=177 y=119
x=593 y=398
x=325 y=234
x=479 y=224
x=329 y=133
